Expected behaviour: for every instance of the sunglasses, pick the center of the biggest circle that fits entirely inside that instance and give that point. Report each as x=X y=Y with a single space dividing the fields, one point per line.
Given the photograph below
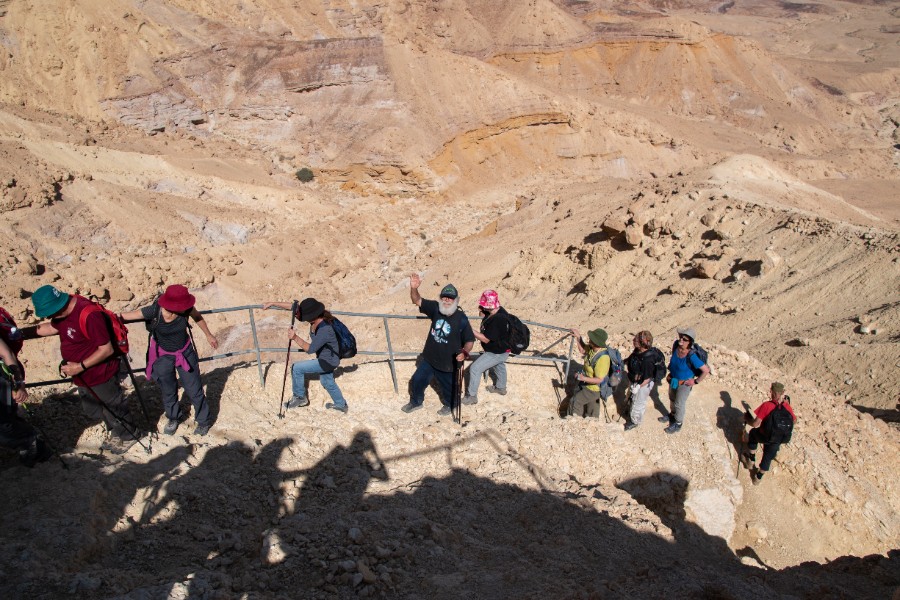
x=684 y=338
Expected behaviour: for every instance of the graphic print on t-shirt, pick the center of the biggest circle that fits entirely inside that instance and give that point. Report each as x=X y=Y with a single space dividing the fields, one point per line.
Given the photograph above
x=441 y=331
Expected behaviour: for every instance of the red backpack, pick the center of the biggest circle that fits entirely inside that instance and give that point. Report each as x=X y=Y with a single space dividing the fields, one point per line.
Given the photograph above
x=116 y=325
x=10 y=333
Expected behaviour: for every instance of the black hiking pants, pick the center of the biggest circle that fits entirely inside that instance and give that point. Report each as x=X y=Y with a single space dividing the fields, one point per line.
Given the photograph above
x=769 y=449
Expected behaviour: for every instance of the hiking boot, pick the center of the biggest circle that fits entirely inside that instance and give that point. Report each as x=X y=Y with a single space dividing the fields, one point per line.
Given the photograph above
x=673 y=428
x=201 y=430
x=120 y=444
x=410 y=407
x=445 y=410
x=470 y=400
x=495 y=390
x=333 y=406
x=37 y=451
x=629 y=426
x=667 y=419
x=297 y=402
x=756 y=476
x=748 y=460
x=171 y=426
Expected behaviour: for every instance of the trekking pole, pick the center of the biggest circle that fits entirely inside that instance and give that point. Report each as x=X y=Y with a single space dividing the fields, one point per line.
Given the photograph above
x=137 y=391
x=32 y=419
x=287 y=360
x=456 y=395
x=130 y=428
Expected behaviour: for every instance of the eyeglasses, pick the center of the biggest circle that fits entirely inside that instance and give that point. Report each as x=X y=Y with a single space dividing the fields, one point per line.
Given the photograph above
x=684 y=338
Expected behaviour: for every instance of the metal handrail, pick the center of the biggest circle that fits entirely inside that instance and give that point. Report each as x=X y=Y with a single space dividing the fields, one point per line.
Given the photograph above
x=391 y=354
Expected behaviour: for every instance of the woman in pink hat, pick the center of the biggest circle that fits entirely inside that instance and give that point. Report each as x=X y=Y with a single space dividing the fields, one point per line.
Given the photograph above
x=494 y=338
x=171 y=349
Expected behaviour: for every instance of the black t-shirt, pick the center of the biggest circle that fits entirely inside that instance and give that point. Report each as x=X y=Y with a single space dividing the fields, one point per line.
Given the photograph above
x=446 y=337
x=496 y=329
x=171 y=337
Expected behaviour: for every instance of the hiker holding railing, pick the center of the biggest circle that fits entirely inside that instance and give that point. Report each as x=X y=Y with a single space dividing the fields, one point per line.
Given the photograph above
x=171 y=351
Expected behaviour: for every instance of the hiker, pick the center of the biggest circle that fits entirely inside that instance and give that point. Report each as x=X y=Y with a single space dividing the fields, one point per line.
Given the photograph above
x=772 y=423
x=586 y=401
x=90 y=359
x=323 y=343
x=15 y=432
x=171 y=351
x=682 y=378
x=493 y=336
x=646 y=367
x=450 y=338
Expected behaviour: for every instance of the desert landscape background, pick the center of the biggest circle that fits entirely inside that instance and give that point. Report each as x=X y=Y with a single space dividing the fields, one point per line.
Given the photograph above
x=626 y=165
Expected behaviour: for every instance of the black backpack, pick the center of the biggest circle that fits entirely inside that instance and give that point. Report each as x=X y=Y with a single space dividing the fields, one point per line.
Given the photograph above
x=518 y=335
x=778 y=425
x=659 y=364
x=702 y=354
x=346 y=340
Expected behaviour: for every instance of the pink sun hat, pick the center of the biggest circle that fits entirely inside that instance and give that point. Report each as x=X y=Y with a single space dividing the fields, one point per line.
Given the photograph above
x=489 y=300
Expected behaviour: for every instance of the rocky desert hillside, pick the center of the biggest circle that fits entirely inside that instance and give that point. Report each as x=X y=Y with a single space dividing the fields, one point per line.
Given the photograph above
x=630 y=165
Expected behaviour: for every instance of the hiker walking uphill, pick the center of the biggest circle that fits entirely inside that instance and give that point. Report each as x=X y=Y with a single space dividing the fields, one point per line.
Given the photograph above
x=90 y=359
x=586 y=401
x=686 y=369
x=15 y=432
x=773 y=424
x=494 y=338
x=646 y=368
x=171 y=350
x=323 y=343
x=449 y=339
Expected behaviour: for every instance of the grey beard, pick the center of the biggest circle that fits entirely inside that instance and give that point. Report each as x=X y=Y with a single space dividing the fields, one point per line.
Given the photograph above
x=448 y=311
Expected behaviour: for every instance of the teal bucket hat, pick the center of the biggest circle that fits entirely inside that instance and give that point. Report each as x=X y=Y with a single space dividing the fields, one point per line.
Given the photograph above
x=48 y=301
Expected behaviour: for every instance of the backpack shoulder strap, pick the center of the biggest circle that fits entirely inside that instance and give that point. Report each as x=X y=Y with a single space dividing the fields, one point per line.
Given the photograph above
x=85 y=313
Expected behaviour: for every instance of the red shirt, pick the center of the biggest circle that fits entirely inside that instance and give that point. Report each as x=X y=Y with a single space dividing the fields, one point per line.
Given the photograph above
x=768 y=406
x=76 y=347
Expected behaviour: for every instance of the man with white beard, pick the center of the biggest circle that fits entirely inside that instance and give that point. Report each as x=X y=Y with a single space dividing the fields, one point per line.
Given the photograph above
x=450 y=338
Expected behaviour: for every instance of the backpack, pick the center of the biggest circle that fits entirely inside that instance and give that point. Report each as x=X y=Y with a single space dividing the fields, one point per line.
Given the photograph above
x=778 y=425
x=702 y=354
x=118 y=333
x=518 y=335
x=616 y=370
x=346 y=340
x=659 y=365
x=10 y=333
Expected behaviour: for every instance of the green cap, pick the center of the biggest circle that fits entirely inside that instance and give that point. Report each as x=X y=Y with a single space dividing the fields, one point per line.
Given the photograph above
x=598 y=337
x=48 y=301
x=778 y=387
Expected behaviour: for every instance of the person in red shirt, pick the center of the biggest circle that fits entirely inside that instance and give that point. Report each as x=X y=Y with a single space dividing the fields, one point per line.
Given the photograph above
x=771 y=429
x=90 y=360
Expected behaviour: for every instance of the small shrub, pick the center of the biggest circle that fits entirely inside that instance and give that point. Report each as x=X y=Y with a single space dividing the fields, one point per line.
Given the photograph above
x=305 y=175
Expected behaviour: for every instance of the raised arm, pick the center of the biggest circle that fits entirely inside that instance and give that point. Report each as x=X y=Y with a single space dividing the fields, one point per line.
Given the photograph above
x=284 y=305
x=414 y=282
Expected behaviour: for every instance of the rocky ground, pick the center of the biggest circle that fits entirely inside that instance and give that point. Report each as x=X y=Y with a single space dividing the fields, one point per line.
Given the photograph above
x=633 y=166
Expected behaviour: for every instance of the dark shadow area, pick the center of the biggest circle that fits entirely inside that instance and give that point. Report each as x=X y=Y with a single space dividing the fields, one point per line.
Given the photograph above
x=596 y=237
x=888 y=415
x=730 y=419
x=709 y=235
x=690 y=273
x=243 y=521
x=619 y=244
x=578 y=288
x=751 y=267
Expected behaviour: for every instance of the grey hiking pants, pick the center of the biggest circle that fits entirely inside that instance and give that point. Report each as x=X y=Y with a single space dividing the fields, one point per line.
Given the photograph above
x=678 y=402
x=585 y=403
x=111 y=394
x=639 y=396
x=492 y=363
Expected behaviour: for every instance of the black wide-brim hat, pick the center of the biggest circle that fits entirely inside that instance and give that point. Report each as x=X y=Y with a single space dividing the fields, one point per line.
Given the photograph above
x=310 y=310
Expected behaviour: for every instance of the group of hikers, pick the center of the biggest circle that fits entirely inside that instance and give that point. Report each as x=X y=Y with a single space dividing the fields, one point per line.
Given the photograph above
x=93 y=356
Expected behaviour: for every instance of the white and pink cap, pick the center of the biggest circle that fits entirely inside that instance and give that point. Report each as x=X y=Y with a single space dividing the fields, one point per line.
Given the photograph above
x=489 y=300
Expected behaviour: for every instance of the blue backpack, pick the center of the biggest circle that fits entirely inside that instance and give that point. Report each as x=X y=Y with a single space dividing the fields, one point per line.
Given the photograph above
x=616 y=369
x=345 y=339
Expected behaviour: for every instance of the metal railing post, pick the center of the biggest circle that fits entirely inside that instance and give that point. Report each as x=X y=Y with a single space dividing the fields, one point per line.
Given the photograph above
x=569 y=361
x=262 y=379
x=387 y=334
